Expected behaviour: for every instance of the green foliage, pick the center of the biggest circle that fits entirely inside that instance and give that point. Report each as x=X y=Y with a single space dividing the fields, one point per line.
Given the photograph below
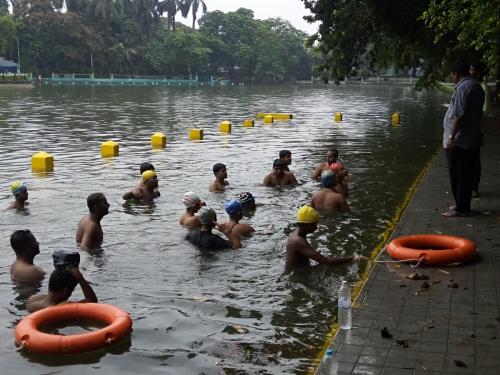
x=131 y=37
x=406 y=35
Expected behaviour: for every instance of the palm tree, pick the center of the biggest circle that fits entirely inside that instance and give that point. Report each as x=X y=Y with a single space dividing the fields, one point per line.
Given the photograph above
x=106 y=9
x=147 y=14
x=195 y=4
x=171 y=7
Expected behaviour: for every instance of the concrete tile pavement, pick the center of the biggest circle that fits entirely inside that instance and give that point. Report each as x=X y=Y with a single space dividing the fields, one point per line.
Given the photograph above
x=453 y=326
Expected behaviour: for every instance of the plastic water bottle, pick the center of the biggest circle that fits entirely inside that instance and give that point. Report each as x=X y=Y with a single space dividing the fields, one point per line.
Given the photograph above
x=328 y=365
x=345 y=312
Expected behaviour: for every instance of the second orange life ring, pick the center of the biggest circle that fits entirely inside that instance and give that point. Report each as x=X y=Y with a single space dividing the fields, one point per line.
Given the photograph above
x=28 y=334
x=433 y=249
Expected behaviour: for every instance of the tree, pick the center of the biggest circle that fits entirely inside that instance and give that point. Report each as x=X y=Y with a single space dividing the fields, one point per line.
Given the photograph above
x=195 y=5
x=4 y=7
x=8 y=34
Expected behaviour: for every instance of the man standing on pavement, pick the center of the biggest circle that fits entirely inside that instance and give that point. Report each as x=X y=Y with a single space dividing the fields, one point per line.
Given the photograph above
x=462 y=136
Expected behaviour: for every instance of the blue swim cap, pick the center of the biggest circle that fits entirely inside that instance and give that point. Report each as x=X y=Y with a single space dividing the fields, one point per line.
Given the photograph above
x=233 y=206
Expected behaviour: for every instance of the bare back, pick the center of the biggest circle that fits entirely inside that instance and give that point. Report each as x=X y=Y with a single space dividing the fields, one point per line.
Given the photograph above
x=89 y=233
x=329 y=200
x=299 y=251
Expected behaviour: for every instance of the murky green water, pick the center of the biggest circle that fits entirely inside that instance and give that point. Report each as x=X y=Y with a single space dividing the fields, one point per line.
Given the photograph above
x=185 y=304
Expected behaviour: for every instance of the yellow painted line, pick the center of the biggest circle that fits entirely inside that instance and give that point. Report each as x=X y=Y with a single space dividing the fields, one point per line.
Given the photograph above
x=384 y=238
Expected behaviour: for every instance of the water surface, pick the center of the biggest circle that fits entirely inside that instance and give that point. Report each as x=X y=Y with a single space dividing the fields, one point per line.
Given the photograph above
x=228 y=312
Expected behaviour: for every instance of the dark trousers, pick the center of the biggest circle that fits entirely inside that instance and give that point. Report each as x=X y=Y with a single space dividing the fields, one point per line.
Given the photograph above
x=461 y=166
x=477 y=170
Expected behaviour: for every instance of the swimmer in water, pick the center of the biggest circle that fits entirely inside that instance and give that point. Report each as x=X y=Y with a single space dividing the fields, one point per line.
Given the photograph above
x=146 y=193
x=331 y=157
x=341 y=178
x=143 y=168
x=89 y=232
x=327 y=199
x=26 y=248
x=219 y=183
x=247 y=201
x=204 y=238
x=279 y=177
x=233 y=229
x=286 y=156
x=192 y=203
x=62 y=283
x=299 y=251
x=20 y=192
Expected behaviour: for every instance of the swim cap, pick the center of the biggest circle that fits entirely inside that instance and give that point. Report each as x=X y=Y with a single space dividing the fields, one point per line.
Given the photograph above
x=336 y=166
x=18 y=187
x=207 y=216
x=147 y=175
x=307 y=215
x=246 y=197
x=232 y=206
x=190 y=199
x=327 y=178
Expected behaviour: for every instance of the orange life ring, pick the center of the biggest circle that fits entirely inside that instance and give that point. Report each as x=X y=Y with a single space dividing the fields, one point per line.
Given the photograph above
x=28 y=334
x=433 y=249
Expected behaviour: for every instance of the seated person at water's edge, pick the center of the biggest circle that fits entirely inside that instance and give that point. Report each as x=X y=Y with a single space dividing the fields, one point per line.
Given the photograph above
x=279 y=176
x=233 y=229
x=299 y=251
x=331 y=158
x=26 y=248
x=89 y=232
x=193 y=203
x=20 y=192
x=219 y=183
x=204 y=238
x=62 y=283
x=327 y=199
x=148 y=192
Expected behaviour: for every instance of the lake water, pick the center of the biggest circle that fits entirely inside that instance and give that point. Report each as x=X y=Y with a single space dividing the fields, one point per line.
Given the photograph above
x=223 y=313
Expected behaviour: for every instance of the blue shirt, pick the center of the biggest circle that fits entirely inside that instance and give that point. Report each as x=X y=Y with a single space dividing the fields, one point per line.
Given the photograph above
x=466 y=102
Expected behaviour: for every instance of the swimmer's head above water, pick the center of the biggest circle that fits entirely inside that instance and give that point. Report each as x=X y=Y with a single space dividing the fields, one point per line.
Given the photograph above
x=18 y=188
x=328 y=179
x=247 y=200
x=146 y=167
x=307 y=219
x=207 y=217
x=234 y=208
x=279 y=167
x=191 y=200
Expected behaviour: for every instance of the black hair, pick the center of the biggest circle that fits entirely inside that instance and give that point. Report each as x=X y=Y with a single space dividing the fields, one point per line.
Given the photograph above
x=146 y=167
x=93 y=200
x=284 y=153
x=461 y=67
x=19 y=239
x=279 y=163
x=218 y=167
x=61 y=279
x=335 y=151
x=480 y=66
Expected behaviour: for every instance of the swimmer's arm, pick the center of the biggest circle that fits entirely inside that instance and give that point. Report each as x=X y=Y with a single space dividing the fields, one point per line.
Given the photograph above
x=235 y=242
x=293 y=180
x=87 y=290
x=343 y=206
x=317 y=173
x=314 y=255
x=339 y=260
x=128 y=196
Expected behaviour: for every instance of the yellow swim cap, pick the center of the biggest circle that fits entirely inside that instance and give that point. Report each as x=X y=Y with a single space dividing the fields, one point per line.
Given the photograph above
x=307 y=215
x=18 y=187
x=146 y=175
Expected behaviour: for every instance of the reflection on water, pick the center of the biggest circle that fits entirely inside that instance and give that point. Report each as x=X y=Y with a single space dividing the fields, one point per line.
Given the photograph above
x=213 y=313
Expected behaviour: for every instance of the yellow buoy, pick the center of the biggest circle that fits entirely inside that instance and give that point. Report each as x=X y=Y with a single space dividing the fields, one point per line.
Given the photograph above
x=42 y=161
x=276 y=116
x=338 y=116
x=225 y=127
x=396 y=118
x=109 y=149
x=268 y=119
x=248 y=123
x=195 y=134
x=158 y=140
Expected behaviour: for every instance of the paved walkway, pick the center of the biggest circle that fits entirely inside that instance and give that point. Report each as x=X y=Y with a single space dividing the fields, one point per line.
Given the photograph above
x=453 y=327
